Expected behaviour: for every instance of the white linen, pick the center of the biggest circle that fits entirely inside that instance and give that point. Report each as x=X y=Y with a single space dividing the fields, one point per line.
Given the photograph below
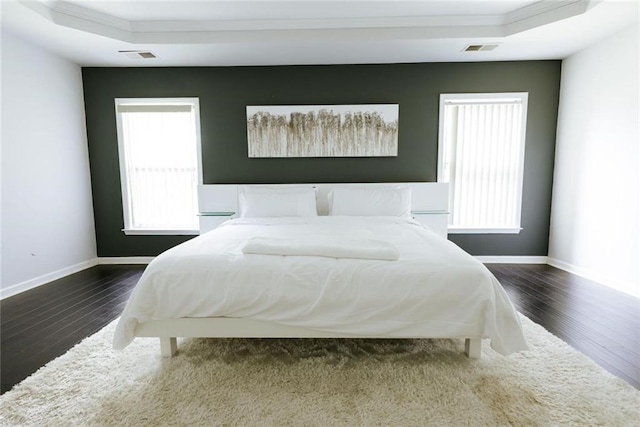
x=434 y=290
x=331 y=247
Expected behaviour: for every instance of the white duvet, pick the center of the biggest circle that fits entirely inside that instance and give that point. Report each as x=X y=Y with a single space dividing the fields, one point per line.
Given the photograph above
x=433 y=290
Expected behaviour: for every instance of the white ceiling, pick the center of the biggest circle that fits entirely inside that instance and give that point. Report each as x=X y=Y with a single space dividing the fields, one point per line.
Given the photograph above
x=207 y=33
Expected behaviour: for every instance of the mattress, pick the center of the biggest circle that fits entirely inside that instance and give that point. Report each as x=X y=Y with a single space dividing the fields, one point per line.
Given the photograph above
x=433 y=289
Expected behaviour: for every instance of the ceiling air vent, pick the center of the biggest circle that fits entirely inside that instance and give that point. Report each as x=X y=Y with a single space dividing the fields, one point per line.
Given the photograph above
x=137 y=54
x=479 y=47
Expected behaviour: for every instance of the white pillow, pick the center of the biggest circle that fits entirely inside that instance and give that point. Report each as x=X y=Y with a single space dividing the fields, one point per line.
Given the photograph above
x=370 y=201
x=276 y=202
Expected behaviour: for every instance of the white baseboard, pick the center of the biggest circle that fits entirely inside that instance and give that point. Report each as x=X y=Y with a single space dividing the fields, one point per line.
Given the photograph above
x=45 y=278
x=63 y=272
x=595 y=277
x=125 y=260
x=499 y=259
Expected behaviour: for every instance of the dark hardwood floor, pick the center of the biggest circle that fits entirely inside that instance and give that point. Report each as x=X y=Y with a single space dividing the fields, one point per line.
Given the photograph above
x=42 y=324
x=596 y=320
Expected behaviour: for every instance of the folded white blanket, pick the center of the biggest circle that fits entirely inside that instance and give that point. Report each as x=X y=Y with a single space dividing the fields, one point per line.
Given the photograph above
x=320 y=246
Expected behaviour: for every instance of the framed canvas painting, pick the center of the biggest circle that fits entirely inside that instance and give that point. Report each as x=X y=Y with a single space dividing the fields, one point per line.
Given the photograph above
x=368 y=130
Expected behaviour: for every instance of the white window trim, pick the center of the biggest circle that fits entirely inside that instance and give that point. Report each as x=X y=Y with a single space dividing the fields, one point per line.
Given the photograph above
x=126 y=211
x=463 y=230
x=460 y=98
x=159 y=232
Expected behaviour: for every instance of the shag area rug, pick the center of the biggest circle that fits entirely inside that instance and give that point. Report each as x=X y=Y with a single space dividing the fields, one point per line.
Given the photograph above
x=320 y=382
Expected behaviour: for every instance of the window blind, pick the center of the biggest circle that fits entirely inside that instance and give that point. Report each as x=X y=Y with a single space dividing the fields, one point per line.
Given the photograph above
x=160 y=156
x=483 y=154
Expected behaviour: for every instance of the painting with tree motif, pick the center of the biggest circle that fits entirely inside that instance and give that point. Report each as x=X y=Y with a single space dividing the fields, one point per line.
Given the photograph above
x=369 y=130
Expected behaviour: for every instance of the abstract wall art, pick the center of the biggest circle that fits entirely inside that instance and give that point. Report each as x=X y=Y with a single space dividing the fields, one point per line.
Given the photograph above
x=368 y=130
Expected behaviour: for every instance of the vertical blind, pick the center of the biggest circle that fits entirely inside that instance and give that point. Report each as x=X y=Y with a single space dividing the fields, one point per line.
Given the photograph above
x=482 y=159
x=160 y=153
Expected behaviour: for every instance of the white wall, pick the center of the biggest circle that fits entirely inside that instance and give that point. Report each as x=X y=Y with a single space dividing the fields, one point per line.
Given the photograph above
x=595 y=215
x=47 y=213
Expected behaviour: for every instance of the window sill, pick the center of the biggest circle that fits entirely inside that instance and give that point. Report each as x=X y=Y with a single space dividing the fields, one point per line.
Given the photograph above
x=460 y=230
x=152 y=232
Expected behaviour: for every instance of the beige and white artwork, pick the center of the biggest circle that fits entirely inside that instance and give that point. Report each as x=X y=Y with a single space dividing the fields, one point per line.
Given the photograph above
x=369 y=130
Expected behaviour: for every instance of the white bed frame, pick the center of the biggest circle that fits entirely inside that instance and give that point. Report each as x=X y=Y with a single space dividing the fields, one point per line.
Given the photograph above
x=429 y=204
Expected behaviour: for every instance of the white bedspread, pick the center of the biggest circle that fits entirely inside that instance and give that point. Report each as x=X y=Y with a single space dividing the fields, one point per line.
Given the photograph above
x=433 y=290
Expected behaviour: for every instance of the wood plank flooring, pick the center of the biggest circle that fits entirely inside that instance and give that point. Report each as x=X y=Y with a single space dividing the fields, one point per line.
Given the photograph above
x=596 y=320
x=42 y=324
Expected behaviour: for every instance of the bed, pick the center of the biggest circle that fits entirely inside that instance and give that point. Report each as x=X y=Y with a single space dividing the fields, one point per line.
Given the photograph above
x=363 y=267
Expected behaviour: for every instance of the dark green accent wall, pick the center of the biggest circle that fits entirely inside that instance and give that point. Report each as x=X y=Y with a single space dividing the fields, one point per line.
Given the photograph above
x=224 y=92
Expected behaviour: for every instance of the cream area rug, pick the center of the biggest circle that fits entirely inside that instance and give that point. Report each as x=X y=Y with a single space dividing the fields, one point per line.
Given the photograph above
x=311 y=382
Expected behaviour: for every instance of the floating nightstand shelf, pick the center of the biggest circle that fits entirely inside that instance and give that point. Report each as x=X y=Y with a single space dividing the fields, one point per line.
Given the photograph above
x=210 y=220
x=216 y=213
x=435 y=220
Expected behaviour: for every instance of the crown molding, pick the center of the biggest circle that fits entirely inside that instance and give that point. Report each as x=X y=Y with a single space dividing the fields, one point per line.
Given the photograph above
x=544 y=12
x=81 y=18
x=347 y=29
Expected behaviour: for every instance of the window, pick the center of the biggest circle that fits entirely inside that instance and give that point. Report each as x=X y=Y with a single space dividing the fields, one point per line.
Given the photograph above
x=158 y=143
x=481 y=156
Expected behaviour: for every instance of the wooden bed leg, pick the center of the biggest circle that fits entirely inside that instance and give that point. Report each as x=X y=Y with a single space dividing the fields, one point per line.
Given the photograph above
x=473 y=347
x=168 y=346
